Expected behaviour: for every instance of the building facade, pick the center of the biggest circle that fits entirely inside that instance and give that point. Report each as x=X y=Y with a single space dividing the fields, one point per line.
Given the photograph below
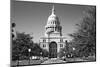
x=53 y=40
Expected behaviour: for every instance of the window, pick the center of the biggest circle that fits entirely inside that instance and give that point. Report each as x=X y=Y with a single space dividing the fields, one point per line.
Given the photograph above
x=44 y=40
x=55 y=22
x=61 y=45
x=55 y=28
x=44 y=45
x=61 y=40
x=52 y=22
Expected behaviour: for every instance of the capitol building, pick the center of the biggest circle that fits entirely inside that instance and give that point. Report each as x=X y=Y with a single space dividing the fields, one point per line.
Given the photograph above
x=53 y=40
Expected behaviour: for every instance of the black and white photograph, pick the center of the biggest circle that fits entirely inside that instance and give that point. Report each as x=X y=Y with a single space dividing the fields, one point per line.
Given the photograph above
x=45 y=33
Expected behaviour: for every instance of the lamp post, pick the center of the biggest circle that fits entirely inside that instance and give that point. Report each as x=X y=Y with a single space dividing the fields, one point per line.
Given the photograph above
x=29 y=54
x=41 y=55
x=73 y=48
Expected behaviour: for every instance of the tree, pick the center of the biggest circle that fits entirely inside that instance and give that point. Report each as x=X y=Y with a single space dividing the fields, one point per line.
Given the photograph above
x=64 y=51
x=84 y=39
x=21 y=45
x=45 y=53
x=36 y=50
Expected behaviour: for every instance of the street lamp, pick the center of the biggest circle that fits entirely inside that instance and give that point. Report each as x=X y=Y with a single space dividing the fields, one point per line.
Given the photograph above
x=64 y=53
x=73 y=48
x=29 y=50
x=41 y=53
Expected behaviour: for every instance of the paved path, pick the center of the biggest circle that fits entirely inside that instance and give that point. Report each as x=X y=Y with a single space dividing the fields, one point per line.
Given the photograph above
x=53 y=60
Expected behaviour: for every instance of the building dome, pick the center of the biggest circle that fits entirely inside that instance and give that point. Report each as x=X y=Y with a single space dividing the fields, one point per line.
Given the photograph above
x=53 y=19
x=53 y=24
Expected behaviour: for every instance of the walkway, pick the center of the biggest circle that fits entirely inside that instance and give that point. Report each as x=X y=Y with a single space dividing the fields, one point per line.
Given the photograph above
x=53 y=60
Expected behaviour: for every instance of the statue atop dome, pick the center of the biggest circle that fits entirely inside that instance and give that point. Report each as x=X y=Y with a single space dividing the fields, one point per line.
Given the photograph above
x=53 y=10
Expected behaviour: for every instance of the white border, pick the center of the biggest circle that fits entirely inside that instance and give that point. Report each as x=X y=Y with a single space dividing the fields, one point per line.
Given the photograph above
x=93 y=2
x=5 y=32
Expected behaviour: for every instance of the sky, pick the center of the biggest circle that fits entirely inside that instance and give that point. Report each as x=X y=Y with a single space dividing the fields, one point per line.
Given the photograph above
x=31 y=17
